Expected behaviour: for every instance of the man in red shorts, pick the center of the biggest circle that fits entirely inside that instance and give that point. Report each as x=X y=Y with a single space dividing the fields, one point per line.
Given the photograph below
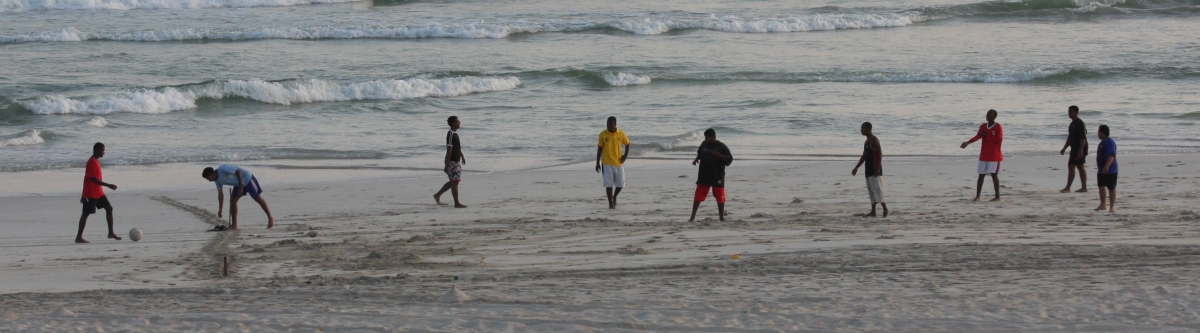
x=93 y=194
x=712 y=156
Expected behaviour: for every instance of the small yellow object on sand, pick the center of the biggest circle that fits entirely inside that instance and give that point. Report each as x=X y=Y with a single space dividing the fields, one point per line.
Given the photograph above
x=736 y=256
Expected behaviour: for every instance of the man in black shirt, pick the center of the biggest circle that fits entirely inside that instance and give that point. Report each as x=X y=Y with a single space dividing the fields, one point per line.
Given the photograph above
x=1077 y=141
x=873 y=157
x=454 y=162
x=712 y=156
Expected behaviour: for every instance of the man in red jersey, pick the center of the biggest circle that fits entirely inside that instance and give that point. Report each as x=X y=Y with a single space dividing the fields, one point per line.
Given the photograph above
x=93 y=194
x=989 y=155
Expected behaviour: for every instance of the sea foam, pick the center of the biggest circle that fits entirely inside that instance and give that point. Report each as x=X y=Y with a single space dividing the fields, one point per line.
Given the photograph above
x=625 y=79
x=163 y=100
x=28 y=5
x=31 y=137
x=97 y=122
x=640 y=26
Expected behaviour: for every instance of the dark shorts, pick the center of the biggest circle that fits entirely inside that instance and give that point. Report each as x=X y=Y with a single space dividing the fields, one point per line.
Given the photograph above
x=251 y=189
x=90 y=205
x=455 y=173
x=1108 y=180
x=1074 y=158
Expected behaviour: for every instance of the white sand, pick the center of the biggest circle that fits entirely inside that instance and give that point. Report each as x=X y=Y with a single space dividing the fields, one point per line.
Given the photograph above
x=538 y=251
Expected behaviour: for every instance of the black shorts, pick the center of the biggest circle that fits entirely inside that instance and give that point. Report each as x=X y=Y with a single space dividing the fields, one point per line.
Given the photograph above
x=90 y=205
x=1075 y=159
x=1108 y=180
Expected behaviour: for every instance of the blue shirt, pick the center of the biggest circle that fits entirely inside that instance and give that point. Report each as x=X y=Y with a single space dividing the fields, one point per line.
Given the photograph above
x=1106 y=148
x=226 y=176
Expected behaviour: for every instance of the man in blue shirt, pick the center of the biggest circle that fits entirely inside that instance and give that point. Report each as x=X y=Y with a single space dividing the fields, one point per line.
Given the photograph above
x=243 y=183
x=1106 y=162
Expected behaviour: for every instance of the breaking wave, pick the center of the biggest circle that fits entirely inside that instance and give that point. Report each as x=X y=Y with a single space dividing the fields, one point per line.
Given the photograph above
x=31 y=5
x=30 y=137
x=167 y=99
x=625 y=79
x=645 y=26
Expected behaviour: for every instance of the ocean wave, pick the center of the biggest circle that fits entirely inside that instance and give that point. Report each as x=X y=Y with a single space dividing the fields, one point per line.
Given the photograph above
x=960 y=76
x=642 y=26
x=625 y=79
x=97 y=122
x=116 y=158
x=33 y=5
x=167 y=99
x=30 y=137
x=980 y=76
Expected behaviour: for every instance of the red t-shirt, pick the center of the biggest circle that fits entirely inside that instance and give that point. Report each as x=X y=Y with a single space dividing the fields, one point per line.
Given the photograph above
x=92 y=190
x=992 y=137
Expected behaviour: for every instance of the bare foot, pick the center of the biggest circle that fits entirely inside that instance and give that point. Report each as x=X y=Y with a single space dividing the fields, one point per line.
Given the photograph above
x=1065 y=190
x=885 y=211
x=871 y=214
x=997 y=199
x=437 y=199
x=1112 y=210
x=1101 y=208
x=270 y=223
x=81 y=241
x=1082 y=190
x=114 y=236
x=460 y=206
x=232 y=227
x=976 y=199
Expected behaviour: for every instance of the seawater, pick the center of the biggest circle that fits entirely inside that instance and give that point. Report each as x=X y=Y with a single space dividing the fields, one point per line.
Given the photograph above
x=372 y=82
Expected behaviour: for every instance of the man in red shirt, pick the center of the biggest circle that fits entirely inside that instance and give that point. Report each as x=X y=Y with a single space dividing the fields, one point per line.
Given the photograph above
x=93 y=194
x=989 y=155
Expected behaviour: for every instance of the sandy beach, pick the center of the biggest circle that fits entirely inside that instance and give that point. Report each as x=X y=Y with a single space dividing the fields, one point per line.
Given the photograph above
x=538 y=251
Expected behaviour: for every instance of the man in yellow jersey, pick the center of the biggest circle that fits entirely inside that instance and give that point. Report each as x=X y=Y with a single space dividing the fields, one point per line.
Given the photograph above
x=609 y=160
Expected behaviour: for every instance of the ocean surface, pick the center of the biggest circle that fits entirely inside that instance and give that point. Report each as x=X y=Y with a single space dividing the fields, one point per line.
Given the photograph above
x=370 y=83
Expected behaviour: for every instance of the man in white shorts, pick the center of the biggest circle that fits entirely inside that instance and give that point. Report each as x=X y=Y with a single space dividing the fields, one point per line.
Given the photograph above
x=989 y=155
x=610 y=159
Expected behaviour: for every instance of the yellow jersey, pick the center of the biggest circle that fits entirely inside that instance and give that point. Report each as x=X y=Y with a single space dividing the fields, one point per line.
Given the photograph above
x=611 y=144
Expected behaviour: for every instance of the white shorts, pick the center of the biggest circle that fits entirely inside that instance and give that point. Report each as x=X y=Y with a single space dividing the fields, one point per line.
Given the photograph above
x=989 y=167
x=874 y=186
x=614 y=176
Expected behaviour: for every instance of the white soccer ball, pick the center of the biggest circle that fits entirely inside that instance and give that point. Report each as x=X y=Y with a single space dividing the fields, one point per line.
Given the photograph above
x=135 y=234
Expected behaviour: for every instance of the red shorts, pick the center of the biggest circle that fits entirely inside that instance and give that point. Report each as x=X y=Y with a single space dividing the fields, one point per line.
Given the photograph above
x=702 y=193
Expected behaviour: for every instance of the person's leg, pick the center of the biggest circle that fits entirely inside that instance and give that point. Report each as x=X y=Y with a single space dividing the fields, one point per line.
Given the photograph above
x=1070 y=178
x=618 y=183
x=996 y=185
x=1112 y=200
x=885 y=211
x=871 y=193
x=108 y=215
x=263 y=203
x=1103 y=192
x=719 y=195
x=616 y=192
x=83 y=222
x=1082 y=178
x=233 y=211
x=437 y=197
x=88 y=208
x=721 y=211
x=609 y=192
x=454 y=192
x=978 y=187
x=695 y=206
x=701 y=194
